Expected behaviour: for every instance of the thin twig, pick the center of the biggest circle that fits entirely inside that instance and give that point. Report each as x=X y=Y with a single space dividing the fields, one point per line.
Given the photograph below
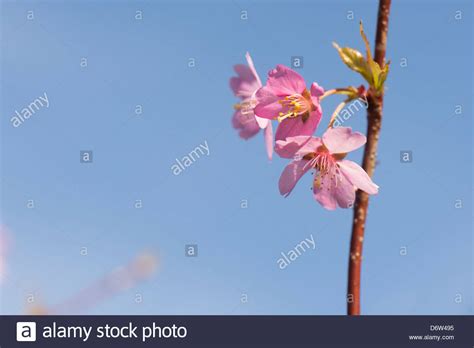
x=374 y=121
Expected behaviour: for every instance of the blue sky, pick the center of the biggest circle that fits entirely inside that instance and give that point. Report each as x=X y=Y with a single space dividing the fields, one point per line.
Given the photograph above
x=146 y=62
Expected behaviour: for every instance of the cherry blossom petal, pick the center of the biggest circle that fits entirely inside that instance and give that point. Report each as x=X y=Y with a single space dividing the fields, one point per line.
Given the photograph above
x=246 y=124
x=290 y=176
x=262 y=122
x=343 y=140
x=268 y=137
x=358 y=177
x=295 y=126
x=252 y=69
x=333 y=190
x=344 y=192
x=245 y=84
x=297 y=146
x=322 y=191
x=267 y=104
x=283 y=81
x=310 y=146
x=316 y=90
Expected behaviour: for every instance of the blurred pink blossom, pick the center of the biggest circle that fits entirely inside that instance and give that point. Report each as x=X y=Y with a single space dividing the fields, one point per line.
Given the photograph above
x=244 y=86
x=3 y=252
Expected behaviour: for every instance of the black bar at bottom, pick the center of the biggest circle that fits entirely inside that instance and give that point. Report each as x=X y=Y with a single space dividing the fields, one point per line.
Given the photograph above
x=236 y=331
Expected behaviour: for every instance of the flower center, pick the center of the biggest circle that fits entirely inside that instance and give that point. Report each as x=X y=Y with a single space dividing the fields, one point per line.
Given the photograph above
x=320 y=160
x=296 y=105
x=326 y=165
x=246 y=107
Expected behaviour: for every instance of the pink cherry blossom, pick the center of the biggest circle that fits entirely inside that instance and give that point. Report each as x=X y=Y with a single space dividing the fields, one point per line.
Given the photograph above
x=244 y=86
x=3 y=251
x=335 y=179
x=285 y=98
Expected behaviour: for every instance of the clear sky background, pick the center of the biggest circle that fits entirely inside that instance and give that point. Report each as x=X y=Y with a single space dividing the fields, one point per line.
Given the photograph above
x=146 y=62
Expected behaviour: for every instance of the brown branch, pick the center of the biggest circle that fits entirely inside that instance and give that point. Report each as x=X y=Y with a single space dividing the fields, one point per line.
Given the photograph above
x=374 y=121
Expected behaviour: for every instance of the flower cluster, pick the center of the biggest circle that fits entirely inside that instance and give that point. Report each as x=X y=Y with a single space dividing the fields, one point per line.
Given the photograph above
x=287 y=99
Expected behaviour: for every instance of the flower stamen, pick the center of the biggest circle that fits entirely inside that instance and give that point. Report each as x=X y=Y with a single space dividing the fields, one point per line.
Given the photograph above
x=326 y=165
x=246 y=107
x=295 y=105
